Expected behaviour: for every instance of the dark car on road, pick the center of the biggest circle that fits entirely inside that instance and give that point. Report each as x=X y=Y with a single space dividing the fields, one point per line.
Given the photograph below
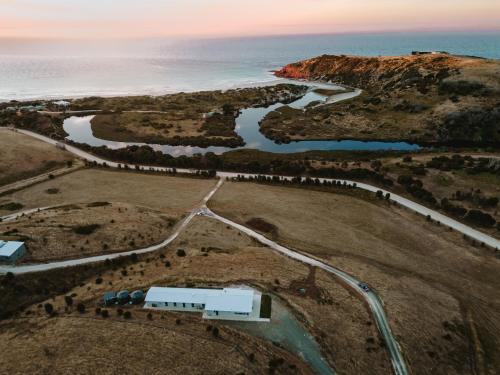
x=365 y=287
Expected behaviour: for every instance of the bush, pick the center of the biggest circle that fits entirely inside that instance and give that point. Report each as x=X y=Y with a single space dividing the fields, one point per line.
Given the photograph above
x=49 y=309
x=150 y=316
x=181 y=253
x=68 y=300
x=80 y=308
x=105 y=313
x=480 y=218
x=127 y=315
x=11 y=206
x=98 y=280
x=86 y=229
x=98 y=311
x=215 y=332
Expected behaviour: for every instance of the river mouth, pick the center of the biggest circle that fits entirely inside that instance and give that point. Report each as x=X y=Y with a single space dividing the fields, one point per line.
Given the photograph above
x=79 y=130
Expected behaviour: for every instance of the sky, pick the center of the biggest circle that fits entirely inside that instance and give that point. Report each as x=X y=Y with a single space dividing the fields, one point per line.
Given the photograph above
x=220 y=18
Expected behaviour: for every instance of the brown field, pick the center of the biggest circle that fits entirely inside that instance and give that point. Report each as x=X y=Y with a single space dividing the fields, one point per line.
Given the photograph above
x=85 y=344
x=52 y=234
x=172 y=195
x=22 y=157
x=440 y=293
x=217 y=255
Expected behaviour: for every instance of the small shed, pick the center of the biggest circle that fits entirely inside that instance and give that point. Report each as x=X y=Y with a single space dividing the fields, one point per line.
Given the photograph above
x=11 y=251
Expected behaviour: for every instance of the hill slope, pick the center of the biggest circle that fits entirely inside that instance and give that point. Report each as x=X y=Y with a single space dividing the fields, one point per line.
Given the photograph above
x=432 y=98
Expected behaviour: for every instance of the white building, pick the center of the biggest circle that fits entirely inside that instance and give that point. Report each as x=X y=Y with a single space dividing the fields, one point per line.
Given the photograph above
x=11 y=251
x=225 y=304
x=62 y=103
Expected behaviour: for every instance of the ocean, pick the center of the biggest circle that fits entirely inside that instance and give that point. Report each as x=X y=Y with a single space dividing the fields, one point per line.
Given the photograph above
x=31 y=69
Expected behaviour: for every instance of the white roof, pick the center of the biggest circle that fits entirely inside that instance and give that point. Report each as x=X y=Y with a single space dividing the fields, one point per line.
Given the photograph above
x=180 y=295
x=227 y=299
x=62 y=102
x=232 y=300
x=7 y=249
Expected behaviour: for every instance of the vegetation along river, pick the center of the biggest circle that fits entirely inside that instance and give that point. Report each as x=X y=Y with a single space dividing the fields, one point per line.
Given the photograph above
x=247 y=126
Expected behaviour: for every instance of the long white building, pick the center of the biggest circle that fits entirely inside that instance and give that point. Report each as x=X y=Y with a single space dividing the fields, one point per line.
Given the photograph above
x=224 y=304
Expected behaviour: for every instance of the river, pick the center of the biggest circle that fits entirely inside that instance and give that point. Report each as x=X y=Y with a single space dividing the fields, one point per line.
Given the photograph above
x=247 y=126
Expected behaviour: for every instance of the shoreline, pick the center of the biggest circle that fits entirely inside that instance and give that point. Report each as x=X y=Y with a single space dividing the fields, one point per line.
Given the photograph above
x=271 y=80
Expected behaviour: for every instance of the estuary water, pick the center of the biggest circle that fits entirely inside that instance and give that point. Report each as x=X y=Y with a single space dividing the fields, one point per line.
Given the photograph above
x=79 y=129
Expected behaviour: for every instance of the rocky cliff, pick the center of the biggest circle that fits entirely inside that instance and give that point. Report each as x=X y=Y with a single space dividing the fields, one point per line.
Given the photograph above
x=428 y=98
x=379 y=72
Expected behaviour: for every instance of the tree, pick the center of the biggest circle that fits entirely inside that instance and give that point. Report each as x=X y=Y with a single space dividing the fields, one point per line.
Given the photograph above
x=228 y=109
x=68 y=300
x=379 y=194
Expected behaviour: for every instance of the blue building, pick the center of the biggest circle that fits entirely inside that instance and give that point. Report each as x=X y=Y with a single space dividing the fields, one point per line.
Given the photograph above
x=11 y=251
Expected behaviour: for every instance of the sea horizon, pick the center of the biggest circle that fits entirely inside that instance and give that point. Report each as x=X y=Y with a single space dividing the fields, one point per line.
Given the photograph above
x=33 y=69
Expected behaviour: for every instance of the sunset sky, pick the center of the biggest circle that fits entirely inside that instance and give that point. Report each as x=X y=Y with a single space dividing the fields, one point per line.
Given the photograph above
x=157 y=18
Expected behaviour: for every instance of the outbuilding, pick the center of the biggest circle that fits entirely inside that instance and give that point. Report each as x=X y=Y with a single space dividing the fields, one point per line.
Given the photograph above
x=225 y=304
x=11 y=251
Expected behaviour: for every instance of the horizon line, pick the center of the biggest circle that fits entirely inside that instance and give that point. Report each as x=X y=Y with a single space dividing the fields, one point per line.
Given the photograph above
x=250 y=36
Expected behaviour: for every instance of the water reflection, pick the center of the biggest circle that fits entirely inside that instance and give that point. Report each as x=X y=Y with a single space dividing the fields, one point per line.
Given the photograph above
x=247 y=126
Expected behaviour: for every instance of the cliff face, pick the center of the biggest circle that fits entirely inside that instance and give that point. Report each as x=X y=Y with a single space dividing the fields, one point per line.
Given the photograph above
x=378 y=72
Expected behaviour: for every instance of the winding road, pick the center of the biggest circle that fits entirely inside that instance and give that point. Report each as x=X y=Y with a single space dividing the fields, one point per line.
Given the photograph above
x=101 y=258
x=372 y=299
x=416 y=207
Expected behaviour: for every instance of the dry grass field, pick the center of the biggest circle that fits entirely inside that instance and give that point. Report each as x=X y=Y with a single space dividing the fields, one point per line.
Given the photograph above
x=23 y=157
x=215 y=255
x=172 y=195
x=145 y=126
x=85 y=344
x=482 y=184
x=76 y=231
x=441 y=294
